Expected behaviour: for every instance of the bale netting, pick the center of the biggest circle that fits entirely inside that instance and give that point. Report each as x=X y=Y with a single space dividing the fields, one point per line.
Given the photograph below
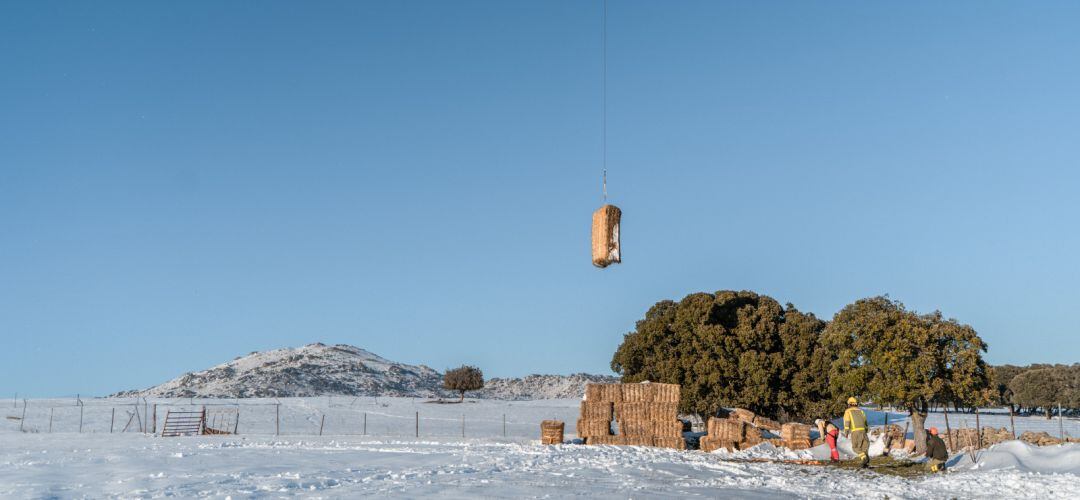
x=605 y=236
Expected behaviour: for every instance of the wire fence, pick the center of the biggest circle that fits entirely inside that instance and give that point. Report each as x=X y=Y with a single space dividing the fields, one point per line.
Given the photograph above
x=377 y=417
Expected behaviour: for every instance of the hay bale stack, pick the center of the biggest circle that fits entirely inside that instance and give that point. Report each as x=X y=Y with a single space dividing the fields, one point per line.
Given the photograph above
x=637 y=393
x=765 y=423
x=592 y=428
x=677 y=443
x=601 y=410
x=666 y=393
x=1039 y=438
x=610 y=440
x=601 y=393
x=709 y=444
x=605 y=236
x=742 y=415
x=724 y=430
x=644 y=412
x=551 y=432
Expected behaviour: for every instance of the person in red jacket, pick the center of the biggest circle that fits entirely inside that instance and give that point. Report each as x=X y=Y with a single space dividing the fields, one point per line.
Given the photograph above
x=831 y=433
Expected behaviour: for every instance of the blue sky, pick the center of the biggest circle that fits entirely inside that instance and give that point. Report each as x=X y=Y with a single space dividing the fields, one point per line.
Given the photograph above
x=185 y=182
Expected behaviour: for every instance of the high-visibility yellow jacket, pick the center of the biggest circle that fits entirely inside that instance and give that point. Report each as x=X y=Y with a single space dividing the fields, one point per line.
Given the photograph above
x=854 y=419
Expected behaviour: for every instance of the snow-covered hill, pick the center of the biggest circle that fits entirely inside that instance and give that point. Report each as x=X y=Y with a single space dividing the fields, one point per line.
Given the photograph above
x=311 y=370
x=540 y=386
x=318 y=370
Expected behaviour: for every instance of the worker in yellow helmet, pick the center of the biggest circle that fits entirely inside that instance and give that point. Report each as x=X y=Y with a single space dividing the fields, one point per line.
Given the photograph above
x=855 y=428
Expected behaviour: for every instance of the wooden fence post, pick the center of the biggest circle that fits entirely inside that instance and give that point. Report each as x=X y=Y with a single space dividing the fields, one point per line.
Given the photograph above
x=236 y=423
x=978 y=430
x=462 y=425
x=153 y=420
x=80 y=417
x=365 y=423
x=1012 y=421
x=50 y=419
x=23 y=419
x=504 y=425
x=321 y=423
x=1061 y=425
x=417 y=424
x=948 y=431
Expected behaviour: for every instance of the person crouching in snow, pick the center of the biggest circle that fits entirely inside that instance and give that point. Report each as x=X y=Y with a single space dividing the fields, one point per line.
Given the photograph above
x=935 y=451
x=831 y=433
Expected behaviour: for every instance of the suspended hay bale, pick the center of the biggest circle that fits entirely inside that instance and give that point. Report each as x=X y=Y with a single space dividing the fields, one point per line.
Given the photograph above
x=605 y=236
x=551 y=432
x=588 y=428
x=599 y=410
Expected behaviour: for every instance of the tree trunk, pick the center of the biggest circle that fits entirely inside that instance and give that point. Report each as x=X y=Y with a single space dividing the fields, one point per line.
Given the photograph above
x=1048 y=412
x=918 y=424
x=462 y=398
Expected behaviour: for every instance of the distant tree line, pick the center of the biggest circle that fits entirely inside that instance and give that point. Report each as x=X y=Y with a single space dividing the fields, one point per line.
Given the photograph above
x=1038 y=387
x=743 y=349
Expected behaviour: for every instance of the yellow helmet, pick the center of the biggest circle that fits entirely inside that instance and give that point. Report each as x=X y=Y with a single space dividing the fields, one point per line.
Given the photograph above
x=852 y=401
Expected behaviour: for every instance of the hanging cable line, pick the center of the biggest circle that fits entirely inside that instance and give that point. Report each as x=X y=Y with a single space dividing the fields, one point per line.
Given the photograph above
x=605 y=221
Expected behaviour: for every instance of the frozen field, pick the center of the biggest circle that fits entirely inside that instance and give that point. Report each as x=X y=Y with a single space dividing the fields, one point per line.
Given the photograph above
x=391 y=460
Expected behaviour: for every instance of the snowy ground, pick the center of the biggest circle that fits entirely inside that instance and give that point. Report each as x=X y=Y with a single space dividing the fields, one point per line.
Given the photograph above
x=440 y=463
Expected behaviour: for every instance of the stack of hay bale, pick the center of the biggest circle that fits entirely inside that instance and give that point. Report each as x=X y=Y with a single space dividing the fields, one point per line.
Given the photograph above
x=551 y=432
x=647 y=415
x=795 y=436
x=723 y=433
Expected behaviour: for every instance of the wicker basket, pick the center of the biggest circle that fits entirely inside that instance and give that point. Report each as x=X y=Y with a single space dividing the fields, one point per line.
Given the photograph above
x=605 y=236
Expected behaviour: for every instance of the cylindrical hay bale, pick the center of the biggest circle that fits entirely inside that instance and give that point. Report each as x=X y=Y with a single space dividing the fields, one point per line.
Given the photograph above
x=605 y=236
x=666 y=393
x=551 y=432
x=589 y=428
x=596 y=411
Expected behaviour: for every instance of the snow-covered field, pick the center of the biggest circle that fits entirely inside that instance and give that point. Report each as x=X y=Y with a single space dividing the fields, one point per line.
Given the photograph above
x=392 y=460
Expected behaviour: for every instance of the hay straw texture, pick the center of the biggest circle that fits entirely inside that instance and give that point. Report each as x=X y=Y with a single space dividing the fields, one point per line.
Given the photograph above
x=551 y=432
x=722 y=429
x=666 y=393
x=766 y=423
x=590 y=428
x=599 y=393
x=710 y=444
x=605 y=236
x=637 y=393
x=621 y=440
x=601 y=410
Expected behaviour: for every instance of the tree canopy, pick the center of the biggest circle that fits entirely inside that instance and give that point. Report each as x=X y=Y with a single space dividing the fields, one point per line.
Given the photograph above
x=895 y=356
x=464 y=378
x=730 y=349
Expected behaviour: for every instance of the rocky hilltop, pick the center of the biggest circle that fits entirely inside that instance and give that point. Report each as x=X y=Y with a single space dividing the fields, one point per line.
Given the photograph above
x=319 y=370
